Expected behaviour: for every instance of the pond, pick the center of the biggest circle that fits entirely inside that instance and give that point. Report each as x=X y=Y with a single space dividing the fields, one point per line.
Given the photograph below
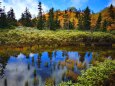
x=40 y=69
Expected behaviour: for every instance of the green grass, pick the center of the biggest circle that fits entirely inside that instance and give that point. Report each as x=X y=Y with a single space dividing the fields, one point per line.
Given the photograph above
x=32 y=36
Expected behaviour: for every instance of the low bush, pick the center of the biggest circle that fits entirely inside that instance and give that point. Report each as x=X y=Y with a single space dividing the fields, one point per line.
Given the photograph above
x=94 y=76
x=31 y=36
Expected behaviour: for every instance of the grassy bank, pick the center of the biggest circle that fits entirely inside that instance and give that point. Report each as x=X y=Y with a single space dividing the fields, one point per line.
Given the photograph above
x=99 y=75
x=31 y=36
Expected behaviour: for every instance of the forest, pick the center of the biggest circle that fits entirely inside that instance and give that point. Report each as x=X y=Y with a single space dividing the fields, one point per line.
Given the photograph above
x=69 y=19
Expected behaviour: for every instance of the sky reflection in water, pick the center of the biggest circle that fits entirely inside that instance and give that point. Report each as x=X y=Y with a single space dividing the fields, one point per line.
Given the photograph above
x=17 y=72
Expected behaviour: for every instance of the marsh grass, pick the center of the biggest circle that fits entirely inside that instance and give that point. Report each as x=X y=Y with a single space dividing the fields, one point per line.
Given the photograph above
x=49 y=82
x=31 y=36
x=96 y=75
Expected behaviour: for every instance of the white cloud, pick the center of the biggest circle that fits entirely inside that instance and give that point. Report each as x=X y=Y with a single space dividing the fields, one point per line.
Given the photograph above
x=78 y=3
x=112 y=2
x=20 y=5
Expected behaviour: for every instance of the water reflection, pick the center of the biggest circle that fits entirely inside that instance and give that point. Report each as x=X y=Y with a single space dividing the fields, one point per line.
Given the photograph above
x=44 y=68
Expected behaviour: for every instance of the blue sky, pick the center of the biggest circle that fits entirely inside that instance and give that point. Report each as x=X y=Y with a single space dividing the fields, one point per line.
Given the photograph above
x=95 y=5
x=20 y=5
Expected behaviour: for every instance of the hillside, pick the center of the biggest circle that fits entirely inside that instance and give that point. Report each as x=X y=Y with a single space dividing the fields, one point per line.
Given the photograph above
x=73 y=17
x=105 y=16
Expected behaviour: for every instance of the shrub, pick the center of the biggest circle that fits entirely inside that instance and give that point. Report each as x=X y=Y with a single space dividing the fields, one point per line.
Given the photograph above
x=31 y=36
x=95 y=75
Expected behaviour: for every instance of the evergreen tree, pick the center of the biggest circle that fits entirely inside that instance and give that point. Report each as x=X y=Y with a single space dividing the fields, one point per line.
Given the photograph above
x=26 y=18
x=105 y=24
x=98 y=23
x=66 y=21
x=22 y=20
x=71 y=25
x=51 y=19
x=77 y=13
x=111 y=12
x=87 y=19
x=44 y=21
x=72 y=9
x=3 y=19
x=40 y=20
x=80 y=21
x=57 y=22
x=34 y=22
x=11 y=18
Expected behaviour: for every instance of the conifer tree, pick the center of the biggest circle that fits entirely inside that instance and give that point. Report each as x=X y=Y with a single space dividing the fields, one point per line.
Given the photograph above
x=80 y=21
x=11 y=18
x=71 y=25
x=3 y=19
x=105 y=24
x=77 y=13
x=111 y=12
x=34 y=22
x=98 y=23
x=87 y=19
x=72 y=9
x=66 y=21
x=22 y=20
x=57 y=22
x=40 y=20
x=26 y=18
x=44 y=21
x=51 y=19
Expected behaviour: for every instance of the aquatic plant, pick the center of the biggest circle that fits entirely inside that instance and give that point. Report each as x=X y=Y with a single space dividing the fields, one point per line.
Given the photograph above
x=49 y=82
x=95 y=75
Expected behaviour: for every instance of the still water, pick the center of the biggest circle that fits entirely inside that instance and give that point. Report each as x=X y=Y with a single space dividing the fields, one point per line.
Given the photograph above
x=38 y=69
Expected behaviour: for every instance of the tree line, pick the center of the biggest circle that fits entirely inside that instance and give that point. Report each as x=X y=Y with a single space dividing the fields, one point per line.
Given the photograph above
x=8 y=20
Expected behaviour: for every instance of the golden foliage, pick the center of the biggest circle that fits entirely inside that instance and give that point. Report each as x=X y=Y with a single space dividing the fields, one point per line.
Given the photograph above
x=94 y=17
